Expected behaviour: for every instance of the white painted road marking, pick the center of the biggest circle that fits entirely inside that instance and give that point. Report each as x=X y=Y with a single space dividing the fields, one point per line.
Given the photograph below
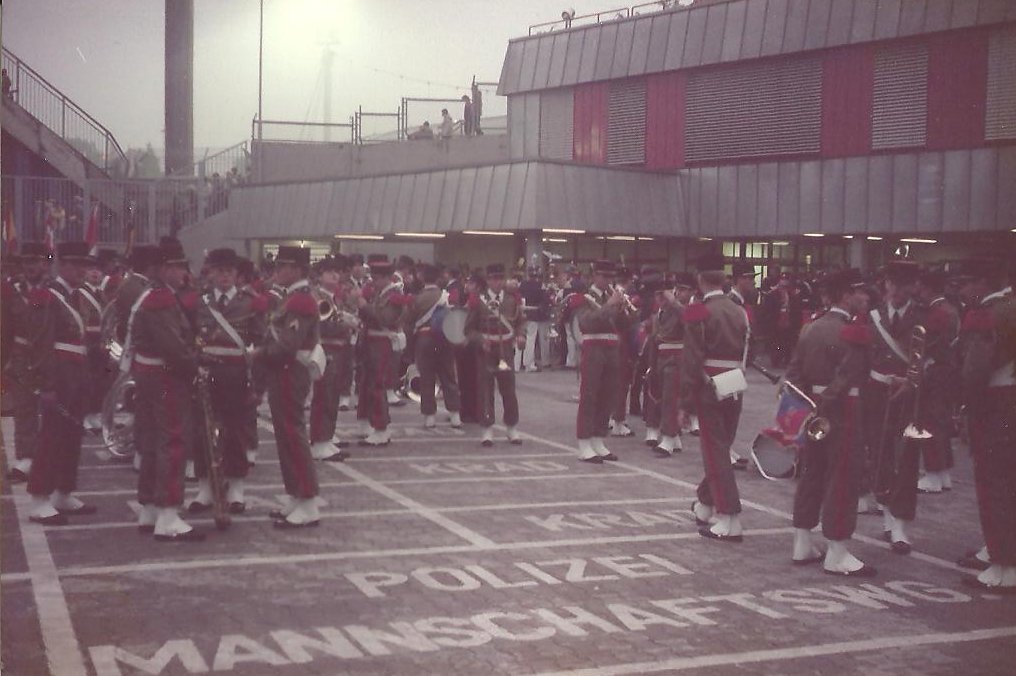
x=63 y=652
x=776 y=654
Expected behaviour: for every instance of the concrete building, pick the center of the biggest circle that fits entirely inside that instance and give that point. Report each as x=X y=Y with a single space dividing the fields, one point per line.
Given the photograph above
x=801 y=133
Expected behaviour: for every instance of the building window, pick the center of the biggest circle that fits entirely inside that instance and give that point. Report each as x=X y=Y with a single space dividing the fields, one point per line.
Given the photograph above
x=626 y=122
x=557 y=119
x=754 y=110
x=900 y=101
x=1000 y=115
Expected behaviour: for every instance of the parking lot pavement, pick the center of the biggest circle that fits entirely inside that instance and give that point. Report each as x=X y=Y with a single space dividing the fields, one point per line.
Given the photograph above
x=438 y=556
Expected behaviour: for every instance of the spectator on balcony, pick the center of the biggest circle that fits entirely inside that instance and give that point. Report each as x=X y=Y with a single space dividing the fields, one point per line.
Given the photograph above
x=423 y=133
x=447 y=124
x=468 y=116
x=8 y=91
x=477 y=108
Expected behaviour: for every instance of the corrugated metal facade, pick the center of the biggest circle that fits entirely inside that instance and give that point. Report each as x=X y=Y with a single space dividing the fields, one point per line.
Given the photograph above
x=900 y=97
x=957 y=89
x=590 y=127
x=665 y=120
x=1000 y=119
x=557 y=119
x=726 y=32
x=754 y=110
x=847 y=78
x=626 y=122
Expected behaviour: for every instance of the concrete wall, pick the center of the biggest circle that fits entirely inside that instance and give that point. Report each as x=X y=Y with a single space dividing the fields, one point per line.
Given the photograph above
x=277 y=161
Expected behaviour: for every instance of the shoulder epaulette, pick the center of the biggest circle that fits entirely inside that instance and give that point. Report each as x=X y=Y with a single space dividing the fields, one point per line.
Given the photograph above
x=576 y=300
x=258 y=302
x=979 y=320
x=696 y=312
x=453 y=296
x=856 y=333
x=40 y=297
x=401 y=299
x=190 y=300
x=159 y=299
x=473 y=301
x=301 y=304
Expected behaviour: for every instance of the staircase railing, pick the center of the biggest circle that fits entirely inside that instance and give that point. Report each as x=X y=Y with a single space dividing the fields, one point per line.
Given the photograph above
x=40 y=99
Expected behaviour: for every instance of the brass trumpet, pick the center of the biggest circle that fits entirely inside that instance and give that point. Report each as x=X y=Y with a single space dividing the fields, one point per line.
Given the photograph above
x=326 y=305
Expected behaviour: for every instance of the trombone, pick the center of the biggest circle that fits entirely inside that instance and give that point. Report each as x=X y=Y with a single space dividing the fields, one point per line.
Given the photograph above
x=494 y=305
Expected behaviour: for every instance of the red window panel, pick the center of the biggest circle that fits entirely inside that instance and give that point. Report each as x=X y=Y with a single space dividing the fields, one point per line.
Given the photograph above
x=590 y=129
x=848 y=77
x=665 y=120
x=957 y=90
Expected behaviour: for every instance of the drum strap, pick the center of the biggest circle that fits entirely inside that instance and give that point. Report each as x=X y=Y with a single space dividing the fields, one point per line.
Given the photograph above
x=224 y=323
x=425 y=317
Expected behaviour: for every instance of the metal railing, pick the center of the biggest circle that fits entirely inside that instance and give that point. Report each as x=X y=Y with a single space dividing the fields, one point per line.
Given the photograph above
x=582 y=20
x=232 y=163
x=151 y=208
x=51 y=107
x=289 y=131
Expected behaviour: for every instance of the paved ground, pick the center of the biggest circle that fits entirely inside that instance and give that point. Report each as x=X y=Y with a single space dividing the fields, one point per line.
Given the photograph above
x=436 y=556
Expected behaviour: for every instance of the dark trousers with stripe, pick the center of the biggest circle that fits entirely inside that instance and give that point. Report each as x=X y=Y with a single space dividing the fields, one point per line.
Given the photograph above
x=670 y=392
x=830 y=477
x=466 y=361
x=993 y=446
x=372 y=405
x=232 y=399
x=164 y=407
x=26 y=418
x=344 y=359
x=895 y=461
x=626 y=369
x=937 y=417
x=324 y=403
x=488 y=375
x=652 y=394
x=436 y=362
x=55 y=466
x=599 y=371
x=288 y=387
x=718 y=422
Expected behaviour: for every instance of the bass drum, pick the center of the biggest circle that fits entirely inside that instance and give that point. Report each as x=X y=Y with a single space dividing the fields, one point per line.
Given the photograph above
x=118 y=417
x=453 y=326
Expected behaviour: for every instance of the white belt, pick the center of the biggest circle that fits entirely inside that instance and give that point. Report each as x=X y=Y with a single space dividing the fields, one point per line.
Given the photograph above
x=334 y=342
x=1004 y=376
x=497 y=337
x=93 y=329
x=149 y=361
x=70 y=347
x=18 y=340
x=722 y=364
x=304 y=355
x=599 y=336
x=670 y=346
x=222 y=351
x=819 y=389
x=380 y=334
x=881 y=378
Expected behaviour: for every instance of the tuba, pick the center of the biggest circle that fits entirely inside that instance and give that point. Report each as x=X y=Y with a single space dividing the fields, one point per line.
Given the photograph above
x=327 y=309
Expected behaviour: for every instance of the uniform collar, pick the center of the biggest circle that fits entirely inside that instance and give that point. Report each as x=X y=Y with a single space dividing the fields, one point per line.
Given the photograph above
x=892 y=311
x=712 y=294
x=94 y=289
x=230 y=294
x=840 y=311
x=499 y=296
x=296 y=286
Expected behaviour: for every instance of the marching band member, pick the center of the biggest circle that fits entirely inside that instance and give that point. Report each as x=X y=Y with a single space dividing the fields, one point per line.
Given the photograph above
x=626 y=328
x=288 y=358
x=21 y=375
x=988 y=390
x=58 y=354
x=144 y=267
x=715 y=343
x=249 y=282
x=597 y=313
x=495 y=323
x=743 y=292
x=89 y=301
x=940 y=377
x=346 y=298
x=829 y=364
x=228 y=319
x=896 y=459
x=159 y=347
x=433 y=354
x=381 y=316
x=336 y=334
x=537 y=310
x=669 y=339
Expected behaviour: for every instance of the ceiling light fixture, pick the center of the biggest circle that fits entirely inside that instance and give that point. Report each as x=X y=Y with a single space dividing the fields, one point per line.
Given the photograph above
x=558 y=240
x=429 y=235
x=564 y=231
x=919 y=240
x=371 y=237
x=492 y=233
x=621 y=238
x=873 y=238
x=813 y=234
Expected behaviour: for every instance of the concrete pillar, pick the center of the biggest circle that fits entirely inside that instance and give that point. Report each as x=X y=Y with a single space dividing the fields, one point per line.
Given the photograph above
x=179 y=87
x=855 y=254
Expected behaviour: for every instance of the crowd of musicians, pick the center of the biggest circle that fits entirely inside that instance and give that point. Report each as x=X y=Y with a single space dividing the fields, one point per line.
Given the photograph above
x=895 y=366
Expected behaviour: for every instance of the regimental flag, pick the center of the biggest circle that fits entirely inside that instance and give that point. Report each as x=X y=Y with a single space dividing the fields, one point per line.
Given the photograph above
x=92 y=229
x=10 y=232
x=792 y=416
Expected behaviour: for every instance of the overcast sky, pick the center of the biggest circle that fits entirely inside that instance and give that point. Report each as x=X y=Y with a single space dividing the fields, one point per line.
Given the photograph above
x=107 y=55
